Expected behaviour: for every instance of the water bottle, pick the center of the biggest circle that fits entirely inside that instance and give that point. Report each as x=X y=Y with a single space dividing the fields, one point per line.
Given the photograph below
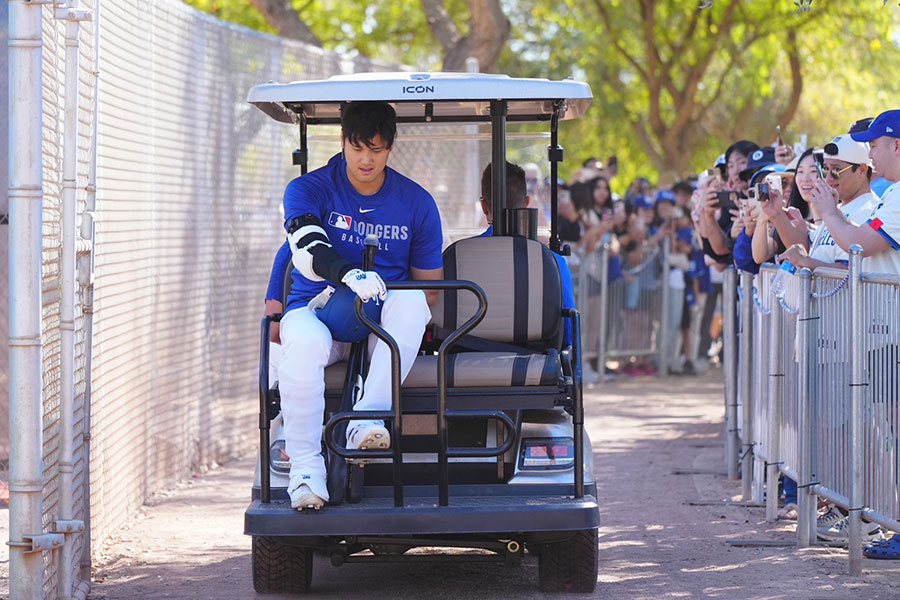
x=780 y=279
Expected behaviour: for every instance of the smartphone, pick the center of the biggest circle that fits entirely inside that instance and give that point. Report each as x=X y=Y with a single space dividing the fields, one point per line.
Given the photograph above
x=745 y=205
x=709 y=177
x=703 y=177
x=819 y=156
x=752 y=200
x=728 y=200
x=774 y=181
x=762 y=192
x=779 y=141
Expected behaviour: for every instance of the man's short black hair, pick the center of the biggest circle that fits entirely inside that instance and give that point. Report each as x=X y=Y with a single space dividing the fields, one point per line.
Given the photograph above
x=744 y=147
x=590 y=160
x=684 y=187
x=516 y=192
x=362 y=121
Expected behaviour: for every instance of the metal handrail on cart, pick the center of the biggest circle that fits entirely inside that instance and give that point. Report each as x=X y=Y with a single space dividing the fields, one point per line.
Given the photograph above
x=395 y=416
x=265 y=416
x=268 y=407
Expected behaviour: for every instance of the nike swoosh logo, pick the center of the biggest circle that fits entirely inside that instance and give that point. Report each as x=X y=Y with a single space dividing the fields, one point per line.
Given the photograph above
x=365 y=210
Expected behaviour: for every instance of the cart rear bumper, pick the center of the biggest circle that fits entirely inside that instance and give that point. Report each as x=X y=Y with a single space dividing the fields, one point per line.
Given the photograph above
x=423 y=516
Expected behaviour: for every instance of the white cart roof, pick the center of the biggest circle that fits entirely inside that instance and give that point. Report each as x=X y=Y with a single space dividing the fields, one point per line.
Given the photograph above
x=423 y=97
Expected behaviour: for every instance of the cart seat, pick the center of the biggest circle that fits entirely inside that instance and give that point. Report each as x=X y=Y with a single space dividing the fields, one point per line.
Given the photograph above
x=522 y=283
x=521 y=280
x=470 y=369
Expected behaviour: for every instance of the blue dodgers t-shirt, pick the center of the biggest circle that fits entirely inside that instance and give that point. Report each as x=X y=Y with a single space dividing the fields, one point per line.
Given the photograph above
x=402 y=215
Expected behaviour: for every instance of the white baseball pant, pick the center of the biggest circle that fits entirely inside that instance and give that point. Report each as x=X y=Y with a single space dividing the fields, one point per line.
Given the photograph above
x=307 y=348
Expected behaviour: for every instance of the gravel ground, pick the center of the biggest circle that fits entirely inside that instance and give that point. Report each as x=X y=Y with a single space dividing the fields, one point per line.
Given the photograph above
x=187 y=543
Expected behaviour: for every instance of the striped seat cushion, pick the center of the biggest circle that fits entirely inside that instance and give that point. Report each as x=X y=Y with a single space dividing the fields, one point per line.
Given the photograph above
x=471 y=369
x=521 y=280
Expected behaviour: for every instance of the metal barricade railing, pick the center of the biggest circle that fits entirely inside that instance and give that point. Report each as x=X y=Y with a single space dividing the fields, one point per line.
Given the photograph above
x=817 y=378
x=829 y=397
x=746 y=402
x=763 y=305
x=626 y=317
x=732 y=430
x=881 y=363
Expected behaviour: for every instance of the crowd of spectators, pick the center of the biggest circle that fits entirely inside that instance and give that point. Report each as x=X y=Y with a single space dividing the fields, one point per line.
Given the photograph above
x=756 y=204
x=633 y=229
x=806 y=208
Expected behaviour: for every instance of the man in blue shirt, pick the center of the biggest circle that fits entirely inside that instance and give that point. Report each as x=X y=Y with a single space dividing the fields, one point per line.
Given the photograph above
x=328 y=214
x=516 y=197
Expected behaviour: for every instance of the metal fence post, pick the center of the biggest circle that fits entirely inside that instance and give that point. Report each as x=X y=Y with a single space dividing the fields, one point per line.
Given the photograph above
x=26 y=476
x=729 y=287
x=662 y=339
x=857 y=381
x=806 y=499
x=746 y=366
x=776 y=379
x=604 y=298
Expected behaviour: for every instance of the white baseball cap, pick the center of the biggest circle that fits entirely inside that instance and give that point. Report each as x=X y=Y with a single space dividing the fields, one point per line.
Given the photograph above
x=844 y=148
x=792 y=166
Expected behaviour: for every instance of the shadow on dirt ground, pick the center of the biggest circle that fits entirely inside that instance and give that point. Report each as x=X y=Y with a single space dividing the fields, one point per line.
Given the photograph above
x=653 y=542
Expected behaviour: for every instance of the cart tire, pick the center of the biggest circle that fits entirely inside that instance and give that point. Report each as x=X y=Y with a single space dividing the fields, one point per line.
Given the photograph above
x=279 y=567
x=571 y=565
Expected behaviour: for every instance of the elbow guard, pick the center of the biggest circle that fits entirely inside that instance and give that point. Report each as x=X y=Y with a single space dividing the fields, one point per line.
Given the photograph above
x=312 y=252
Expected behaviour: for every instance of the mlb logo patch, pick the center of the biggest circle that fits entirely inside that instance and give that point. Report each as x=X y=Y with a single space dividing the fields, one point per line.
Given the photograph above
x=339 y=221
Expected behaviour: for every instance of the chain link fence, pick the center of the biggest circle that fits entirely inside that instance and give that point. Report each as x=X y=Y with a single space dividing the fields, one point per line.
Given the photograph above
x=187 y=222
x=53 y=77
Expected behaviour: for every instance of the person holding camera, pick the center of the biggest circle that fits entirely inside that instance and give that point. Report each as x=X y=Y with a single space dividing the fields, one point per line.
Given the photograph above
x=880 y=232
x=788 y=216
x=847 y=170
x=716 y=219
x=747 y=218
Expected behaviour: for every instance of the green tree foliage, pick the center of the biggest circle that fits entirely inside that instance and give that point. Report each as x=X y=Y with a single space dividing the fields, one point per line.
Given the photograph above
x=236 y=11
x=674 y=84
x=396 y=31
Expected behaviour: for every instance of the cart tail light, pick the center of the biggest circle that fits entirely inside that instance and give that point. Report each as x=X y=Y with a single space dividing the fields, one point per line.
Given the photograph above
x=281 y=462
x=547 y=453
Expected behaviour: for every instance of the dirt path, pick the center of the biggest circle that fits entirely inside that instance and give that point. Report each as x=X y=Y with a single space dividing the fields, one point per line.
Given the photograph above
x=188 y=543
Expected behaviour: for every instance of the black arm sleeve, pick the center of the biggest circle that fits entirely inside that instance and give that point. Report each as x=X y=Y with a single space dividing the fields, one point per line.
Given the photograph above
x=329 y=264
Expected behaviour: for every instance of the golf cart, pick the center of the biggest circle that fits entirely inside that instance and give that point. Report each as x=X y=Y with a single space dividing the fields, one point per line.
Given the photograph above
x=488 y=443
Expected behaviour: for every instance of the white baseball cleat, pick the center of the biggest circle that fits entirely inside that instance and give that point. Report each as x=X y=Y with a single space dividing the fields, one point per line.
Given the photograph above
x=368 y=435
x=302 y=497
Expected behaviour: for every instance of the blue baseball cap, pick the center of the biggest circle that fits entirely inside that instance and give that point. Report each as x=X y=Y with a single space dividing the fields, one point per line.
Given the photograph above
x=758 y=158
x=686 y=235
x=642 y=202
x=887 y=123
x=665 y=196
x=339 y=315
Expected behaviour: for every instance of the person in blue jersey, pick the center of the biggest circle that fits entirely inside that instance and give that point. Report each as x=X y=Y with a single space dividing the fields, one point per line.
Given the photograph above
x=517 y=197
x=327 y=214
x=275 y=291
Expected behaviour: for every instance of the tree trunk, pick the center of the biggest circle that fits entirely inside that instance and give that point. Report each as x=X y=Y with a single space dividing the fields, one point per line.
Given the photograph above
x=489 y=30
x=281 y=15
